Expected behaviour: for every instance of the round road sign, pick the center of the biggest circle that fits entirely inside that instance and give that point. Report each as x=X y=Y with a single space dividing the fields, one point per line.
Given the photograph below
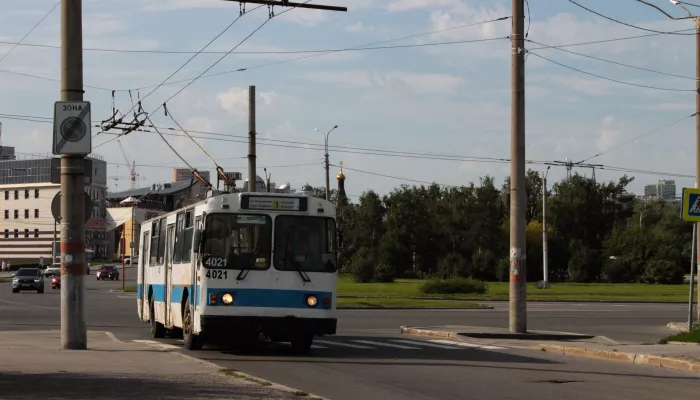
x=73 y=129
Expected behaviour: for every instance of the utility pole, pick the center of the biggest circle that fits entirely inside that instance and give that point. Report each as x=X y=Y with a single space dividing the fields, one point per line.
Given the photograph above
x=73 y=324
x=252 y=176
x=326 y=163
x=267 y=179
x=518 y=268
x=545 y=267
x=692 y=278
x=697 y=102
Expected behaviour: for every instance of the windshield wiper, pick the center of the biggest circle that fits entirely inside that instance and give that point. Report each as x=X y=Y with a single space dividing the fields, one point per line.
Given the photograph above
x=295 y=264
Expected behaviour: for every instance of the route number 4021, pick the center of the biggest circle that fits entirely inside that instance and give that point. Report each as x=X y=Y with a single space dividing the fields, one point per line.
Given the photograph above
x=217 y=274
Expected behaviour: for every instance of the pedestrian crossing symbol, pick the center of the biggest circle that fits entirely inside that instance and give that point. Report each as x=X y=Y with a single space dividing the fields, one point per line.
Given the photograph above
x=691 y=205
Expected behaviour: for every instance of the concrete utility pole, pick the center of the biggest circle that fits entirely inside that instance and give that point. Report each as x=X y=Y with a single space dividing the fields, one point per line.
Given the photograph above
x=518 y=269
x=692 y=277
x=252 y=175
x=73 y=324
x=326 y=163
x=267 y=179
x=545 y=266
x=697 y=142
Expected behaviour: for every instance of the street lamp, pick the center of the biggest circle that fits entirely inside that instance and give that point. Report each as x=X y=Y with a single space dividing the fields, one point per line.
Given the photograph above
x=328 y=182
x=696 y=241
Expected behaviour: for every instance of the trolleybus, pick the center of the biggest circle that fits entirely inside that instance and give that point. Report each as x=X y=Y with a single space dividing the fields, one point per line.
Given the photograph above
x=239 y=265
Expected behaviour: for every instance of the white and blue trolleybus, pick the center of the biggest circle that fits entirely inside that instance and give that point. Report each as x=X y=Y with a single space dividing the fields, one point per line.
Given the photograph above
x=240 y=265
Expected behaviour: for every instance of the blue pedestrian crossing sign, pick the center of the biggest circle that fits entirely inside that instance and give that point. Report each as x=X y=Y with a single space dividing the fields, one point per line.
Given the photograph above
x=691 y=205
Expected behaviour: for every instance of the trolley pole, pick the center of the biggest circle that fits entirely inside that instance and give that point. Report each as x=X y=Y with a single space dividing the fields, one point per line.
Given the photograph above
x=252 y=176
x=73 y=324
x=518 y=269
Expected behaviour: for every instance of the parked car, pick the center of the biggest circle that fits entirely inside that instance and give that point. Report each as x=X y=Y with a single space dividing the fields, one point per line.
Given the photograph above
x=107 y=272
x=56 y=281
x=53 y=269
x=28 y=279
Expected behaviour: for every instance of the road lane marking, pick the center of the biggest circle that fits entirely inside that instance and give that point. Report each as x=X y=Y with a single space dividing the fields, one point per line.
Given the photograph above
x=158 y=345
x=417 y=343
x=27 y=304
x=354 y=346
x=398 y=346
x=111 y=336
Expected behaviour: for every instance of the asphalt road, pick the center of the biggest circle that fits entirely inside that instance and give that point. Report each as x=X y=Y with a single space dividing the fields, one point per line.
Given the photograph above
x=369 y=359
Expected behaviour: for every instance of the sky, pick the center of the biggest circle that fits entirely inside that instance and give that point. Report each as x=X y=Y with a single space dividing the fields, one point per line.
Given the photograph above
x=405 y=115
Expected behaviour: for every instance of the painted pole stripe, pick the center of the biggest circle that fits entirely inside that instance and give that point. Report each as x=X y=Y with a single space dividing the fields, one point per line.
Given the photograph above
x=398 y=346
x=354 y=346
x=439 y=346
x=72 y=247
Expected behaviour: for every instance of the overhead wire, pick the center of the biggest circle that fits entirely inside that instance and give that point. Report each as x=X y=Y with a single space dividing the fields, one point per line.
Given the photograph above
x=609 y=79
x=634 y=139
x=30 y=31
x=368 y=46
x=689 y=4
x=545 y=46
x=628 y=25
x=241 y=15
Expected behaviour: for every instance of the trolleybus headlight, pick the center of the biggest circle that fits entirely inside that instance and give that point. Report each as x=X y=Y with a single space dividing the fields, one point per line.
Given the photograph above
x=312 y=301
x=227 y=298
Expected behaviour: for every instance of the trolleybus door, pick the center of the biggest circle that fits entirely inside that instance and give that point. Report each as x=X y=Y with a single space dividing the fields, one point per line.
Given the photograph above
x=170 y=240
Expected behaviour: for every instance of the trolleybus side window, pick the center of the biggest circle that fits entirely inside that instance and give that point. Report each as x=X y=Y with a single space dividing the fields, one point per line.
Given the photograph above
x=155 y=229
x=161 y=241
x=187 y=237
x=305 y=244
x=237 y=241
x=146 y=246
x=179 y=232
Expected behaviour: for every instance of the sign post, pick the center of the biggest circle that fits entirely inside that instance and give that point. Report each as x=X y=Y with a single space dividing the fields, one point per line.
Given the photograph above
x=690 y=211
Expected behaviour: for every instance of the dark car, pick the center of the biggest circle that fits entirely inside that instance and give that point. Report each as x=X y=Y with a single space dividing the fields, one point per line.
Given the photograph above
x=56 y=281
x=107 y=272
x=28 y=279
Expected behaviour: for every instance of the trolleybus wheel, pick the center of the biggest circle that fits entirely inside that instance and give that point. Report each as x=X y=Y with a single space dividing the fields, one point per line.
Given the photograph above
x=302 y=343
x=157 y=329
x=192 y=341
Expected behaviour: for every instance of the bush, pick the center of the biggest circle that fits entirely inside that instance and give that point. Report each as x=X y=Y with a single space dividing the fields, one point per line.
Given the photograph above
x=663 y=272
x=384 y=273
x=484 y=264
x=454 y=285
x=362 y=265
x=453 y=265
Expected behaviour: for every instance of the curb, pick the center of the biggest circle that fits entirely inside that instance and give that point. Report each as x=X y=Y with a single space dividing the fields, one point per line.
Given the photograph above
x=427 y=332
x=247 y=377
x=482 y=299
x=630 y=358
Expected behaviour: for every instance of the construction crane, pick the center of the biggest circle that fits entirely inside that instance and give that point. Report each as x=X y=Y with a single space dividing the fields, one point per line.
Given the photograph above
x=131 y=166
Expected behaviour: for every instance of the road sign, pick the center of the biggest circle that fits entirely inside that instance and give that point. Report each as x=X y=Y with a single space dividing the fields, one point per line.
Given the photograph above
x=56 y=206
x=131 y=245
x=41 y=261
x=71 y=128
x=691 y=205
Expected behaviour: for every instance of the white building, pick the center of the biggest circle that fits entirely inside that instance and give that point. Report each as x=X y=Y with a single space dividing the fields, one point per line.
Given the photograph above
x=27 y=225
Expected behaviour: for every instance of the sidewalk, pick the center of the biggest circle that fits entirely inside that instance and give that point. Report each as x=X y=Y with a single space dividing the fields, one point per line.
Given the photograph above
x=32 y=365
x=673 y=356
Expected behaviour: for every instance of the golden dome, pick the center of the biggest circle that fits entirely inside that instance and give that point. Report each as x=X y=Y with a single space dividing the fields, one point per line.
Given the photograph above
x=341 y=176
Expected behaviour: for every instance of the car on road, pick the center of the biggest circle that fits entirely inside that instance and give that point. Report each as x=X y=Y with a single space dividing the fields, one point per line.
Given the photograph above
x=53 y=269
x=56 y=281
x=107 y=272
x=28 y=279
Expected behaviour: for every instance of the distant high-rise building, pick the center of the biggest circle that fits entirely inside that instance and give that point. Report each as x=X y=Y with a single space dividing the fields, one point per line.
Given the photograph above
x=185 y=174
x=664 y=189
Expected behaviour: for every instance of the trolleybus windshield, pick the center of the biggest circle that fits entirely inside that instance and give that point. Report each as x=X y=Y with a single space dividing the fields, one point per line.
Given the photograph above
x=305 y=244
x=237 y=241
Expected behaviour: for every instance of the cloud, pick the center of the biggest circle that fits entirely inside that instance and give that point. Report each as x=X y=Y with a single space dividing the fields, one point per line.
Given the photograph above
x=360 y=27
x=417 y=82
x=408 y=5
x=235 y=100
